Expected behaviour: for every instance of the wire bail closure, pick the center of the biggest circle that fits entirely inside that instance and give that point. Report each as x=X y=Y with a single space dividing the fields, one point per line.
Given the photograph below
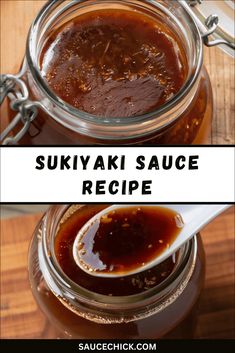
x=15 y=89
x=211 y=23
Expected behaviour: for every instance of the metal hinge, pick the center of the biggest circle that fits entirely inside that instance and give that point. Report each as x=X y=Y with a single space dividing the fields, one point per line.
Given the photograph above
x=193 y=3
x=211 y=24
x=15 y=89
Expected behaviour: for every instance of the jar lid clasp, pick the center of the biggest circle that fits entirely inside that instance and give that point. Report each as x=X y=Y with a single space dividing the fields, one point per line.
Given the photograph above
x=217 y=25
x=15 y=89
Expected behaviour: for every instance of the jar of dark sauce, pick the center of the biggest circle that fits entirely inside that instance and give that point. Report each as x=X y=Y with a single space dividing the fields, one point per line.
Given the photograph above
x=160 y=302
x=111 y=72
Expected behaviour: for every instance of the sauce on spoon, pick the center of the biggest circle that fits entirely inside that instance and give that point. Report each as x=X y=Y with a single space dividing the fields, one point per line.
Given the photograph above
x=127 y=238
x=120 y=286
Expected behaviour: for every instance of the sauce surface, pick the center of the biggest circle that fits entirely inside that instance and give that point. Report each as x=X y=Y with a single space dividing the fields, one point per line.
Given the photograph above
x=152 y=231
x=114 y=63
x=127 y=238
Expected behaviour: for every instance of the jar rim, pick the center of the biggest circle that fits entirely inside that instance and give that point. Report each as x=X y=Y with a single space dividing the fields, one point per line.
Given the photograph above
x=32 y=60
x=50 y=223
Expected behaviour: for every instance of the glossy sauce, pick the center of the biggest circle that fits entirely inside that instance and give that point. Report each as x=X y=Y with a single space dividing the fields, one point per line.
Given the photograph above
x=127 y=238
x=137 y=235
x=114 y=63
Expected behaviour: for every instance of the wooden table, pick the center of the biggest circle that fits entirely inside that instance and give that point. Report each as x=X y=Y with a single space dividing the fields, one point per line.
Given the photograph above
x=16 y=16
x=22 y=319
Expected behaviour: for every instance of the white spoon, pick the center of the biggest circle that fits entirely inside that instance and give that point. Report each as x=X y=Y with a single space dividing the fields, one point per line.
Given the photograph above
x=195 y=217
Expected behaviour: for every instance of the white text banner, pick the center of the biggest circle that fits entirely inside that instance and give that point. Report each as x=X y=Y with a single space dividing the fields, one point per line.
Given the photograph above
x=117 y=174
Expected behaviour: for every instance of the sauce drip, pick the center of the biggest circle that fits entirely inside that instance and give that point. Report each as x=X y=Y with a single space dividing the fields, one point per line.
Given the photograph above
x=114 y=63
x=127 y=285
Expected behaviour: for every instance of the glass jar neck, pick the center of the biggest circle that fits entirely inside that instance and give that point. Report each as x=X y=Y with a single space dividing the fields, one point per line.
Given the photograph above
x=103 y=308
x=56 y=13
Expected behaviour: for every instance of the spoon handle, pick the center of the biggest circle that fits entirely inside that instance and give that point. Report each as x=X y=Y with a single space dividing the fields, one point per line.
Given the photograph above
x=200 y=215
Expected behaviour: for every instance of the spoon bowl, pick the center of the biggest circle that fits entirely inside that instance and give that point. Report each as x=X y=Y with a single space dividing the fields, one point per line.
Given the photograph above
x=194 y=217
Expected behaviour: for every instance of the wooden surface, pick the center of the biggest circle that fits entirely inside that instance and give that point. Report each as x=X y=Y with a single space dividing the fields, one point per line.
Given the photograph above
x=16 y=16
x=22 y=319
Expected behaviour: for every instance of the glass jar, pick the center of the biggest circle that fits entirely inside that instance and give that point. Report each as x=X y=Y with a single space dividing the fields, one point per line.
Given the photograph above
x=43 y=118
x=169 y=309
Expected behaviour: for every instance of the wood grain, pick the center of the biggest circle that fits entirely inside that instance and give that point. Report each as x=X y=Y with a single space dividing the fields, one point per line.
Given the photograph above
x=16 y=17
x=20 y=317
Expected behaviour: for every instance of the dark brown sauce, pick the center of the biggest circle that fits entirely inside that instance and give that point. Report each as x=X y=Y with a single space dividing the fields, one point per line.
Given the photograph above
x=114 y=63
x=150 y=226
x=127 y=238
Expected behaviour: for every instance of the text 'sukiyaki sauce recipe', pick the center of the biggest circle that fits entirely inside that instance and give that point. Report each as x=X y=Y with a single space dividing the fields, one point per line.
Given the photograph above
x=114 y=63
x=126 y=238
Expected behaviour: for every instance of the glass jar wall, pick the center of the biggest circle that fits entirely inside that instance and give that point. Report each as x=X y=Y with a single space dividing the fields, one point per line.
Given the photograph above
x=168 y=309
x=183 y=119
